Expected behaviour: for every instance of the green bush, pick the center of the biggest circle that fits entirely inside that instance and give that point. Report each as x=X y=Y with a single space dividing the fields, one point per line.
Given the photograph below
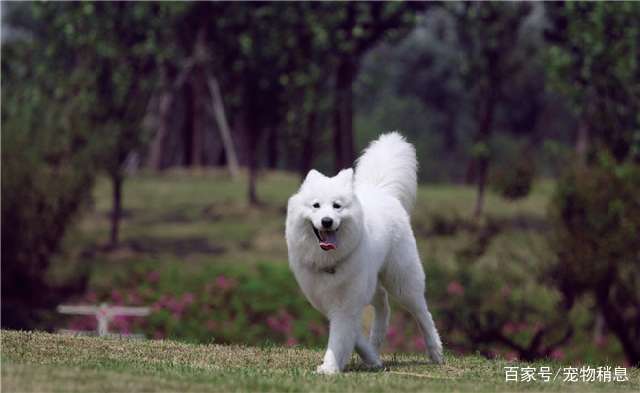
x=596 y=238
x=47 y=174
x=222 y=303
x=513 y=179
x=499 y=306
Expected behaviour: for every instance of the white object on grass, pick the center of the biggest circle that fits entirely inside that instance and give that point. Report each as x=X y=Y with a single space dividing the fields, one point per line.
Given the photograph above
x=103 y=313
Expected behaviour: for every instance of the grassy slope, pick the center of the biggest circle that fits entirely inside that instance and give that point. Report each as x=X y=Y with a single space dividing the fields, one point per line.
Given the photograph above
x=50 y=363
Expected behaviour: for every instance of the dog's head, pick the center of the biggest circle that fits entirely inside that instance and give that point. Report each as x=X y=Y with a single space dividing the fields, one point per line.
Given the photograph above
x=327 y=211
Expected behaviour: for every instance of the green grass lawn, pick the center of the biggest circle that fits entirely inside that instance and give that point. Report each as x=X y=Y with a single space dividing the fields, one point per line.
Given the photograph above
x=41 y=362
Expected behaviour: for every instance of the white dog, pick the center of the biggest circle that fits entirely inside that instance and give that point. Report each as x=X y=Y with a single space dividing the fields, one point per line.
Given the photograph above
x=350 y=242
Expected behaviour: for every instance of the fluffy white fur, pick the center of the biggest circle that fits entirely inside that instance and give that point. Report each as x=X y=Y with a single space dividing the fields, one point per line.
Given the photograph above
x=375 y=250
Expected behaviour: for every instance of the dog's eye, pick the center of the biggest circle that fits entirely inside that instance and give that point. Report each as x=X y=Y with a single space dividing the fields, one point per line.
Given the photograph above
x=336 y=205
x=316 y=205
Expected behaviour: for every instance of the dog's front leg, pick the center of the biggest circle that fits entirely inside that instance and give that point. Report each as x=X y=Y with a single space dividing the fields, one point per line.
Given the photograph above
x=342 y=339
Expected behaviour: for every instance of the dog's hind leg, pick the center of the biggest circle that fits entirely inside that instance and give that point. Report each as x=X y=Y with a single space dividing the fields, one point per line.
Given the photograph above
x=417 y=306
x=380 y=324
x=367 y=352
x=404 y=279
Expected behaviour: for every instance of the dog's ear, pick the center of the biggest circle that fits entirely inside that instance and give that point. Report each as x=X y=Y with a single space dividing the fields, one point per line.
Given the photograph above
x=313 y=175
x=345 y=176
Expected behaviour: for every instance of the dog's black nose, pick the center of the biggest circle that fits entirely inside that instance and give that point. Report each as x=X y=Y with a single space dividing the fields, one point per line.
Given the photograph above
x=327 y=222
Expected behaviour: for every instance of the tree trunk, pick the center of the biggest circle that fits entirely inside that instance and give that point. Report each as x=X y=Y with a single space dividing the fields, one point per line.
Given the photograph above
x=223 y=126
x=252 y=136
x=450 y=137
x=582 y=142
x=252 y=194
x=481 y=167
x=307 y=144
x=199 y=117
x=187 y=130
x=343 y=113
x=163 y=123
x=272 y=148
x=157 y=145
x=615 y=320
x=116 y=210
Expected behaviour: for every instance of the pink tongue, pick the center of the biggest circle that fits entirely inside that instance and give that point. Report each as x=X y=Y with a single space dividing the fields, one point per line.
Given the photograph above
x=328 y=240
x=327 y=246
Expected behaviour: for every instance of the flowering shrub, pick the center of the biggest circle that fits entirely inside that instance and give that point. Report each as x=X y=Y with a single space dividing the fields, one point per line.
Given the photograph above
x=501 y=307
x=223 y=304
x=262 y=303
x=248 y=305
x=495 y=304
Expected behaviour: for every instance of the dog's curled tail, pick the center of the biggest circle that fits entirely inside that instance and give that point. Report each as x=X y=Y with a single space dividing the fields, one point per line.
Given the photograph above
x=390 y=163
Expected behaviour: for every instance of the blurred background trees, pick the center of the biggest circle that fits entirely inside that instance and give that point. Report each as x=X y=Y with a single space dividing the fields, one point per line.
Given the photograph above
x=47 y=173
x=593 y=60
x=511 y=98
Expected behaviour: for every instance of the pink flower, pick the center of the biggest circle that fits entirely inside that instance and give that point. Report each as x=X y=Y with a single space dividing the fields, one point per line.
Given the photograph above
x=134 y=298
x=557 y=354
x=121 y=324
x=491 y=354
x=281 y=322
x=509 y=328
x=455 y=288
x=511 y=356
x=83 y=323
x=91 y=297
x=317 y=329
x=116 y=296
x=153 y=276
x=157 y=306
x=188 y=298
x=418 y=342
x=601 y=340
x=394 y=338
x=392 y=332
x=291 y=341
x=272 y=322
x=225 y=283
x=175 y=306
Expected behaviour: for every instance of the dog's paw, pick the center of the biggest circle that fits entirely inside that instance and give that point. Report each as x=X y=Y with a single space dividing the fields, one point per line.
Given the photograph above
x=436 y=355
x=327 y=369
x=374 y=366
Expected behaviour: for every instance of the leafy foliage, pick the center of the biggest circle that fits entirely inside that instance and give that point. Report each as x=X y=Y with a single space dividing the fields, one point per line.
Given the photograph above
x=48 y=169
x=513 y=179
x=596 y=216
x=593 y=60
x=73 y=101
x=222 y=304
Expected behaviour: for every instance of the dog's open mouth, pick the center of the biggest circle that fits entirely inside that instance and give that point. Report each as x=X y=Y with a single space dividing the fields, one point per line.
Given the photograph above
x=326 y=239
